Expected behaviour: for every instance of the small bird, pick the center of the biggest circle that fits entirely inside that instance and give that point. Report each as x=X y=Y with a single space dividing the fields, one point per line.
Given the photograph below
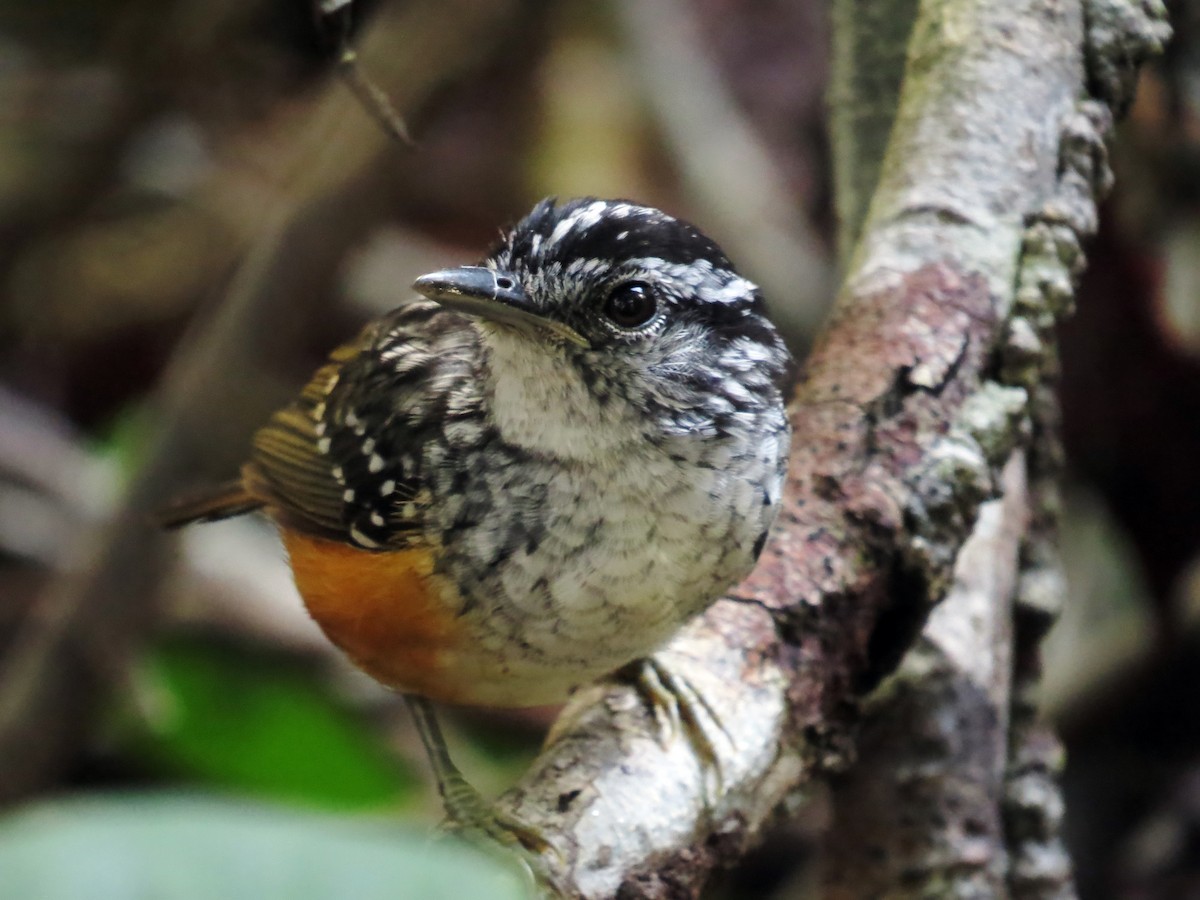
x=535 y=476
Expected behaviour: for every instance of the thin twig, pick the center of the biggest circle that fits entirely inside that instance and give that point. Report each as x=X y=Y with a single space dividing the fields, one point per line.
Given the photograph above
x=373 y=99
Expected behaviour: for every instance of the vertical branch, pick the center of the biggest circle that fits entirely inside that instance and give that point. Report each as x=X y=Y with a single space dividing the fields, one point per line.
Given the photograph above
x=920 y=813
x=1039 y=865
x=870 y=40
x=1119 y=36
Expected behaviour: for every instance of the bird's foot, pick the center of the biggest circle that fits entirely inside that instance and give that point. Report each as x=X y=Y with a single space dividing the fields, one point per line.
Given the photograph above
x=679 y=708
x=471 y=817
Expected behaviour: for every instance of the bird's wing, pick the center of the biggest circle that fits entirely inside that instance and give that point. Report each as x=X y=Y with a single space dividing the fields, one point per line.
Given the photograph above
x=287 y=470
x=345 y=459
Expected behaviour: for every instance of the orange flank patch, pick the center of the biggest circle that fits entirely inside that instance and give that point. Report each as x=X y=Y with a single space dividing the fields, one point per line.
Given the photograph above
x=388 y=612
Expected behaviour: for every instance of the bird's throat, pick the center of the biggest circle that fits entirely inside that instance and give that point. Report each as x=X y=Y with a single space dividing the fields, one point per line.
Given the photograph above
x=543 y=404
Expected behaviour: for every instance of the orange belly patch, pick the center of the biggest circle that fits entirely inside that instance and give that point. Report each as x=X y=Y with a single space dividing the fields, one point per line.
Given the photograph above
x=387 y=611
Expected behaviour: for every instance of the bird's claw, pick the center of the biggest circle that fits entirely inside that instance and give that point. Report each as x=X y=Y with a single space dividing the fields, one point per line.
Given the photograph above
x=677 y=706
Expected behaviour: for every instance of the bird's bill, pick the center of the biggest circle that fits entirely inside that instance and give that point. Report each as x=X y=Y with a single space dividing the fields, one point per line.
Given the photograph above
x=488 y=294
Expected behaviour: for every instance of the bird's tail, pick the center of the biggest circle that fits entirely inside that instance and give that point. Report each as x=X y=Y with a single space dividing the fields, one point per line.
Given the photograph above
x=208 y=505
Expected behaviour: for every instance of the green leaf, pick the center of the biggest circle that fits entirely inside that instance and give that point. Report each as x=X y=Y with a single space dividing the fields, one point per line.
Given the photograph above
x=173 y=847
x=262 y=724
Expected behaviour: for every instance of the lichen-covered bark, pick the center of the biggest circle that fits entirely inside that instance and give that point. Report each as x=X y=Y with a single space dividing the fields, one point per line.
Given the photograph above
x=921 y=813
x=1039 y=867
x=916 y=395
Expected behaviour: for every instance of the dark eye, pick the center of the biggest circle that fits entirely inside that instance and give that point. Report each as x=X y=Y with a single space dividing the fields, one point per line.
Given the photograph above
x=631 y=305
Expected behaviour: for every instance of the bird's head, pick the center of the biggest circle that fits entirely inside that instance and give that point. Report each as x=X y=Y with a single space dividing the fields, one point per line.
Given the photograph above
x=638 y=309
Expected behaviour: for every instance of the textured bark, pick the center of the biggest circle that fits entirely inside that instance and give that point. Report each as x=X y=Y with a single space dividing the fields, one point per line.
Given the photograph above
x=920 y=815
x=1039 y=867
x=916 y=395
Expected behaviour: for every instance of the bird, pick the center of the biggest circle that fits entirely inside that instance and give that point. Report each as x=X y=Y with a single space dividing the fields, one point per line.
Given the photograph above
x=535 y=474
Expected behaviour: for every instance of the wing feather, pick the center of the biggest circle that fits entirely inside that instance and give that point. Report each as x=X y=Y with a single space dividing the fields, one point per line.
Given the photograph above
x=288 y=464
x=345 y=459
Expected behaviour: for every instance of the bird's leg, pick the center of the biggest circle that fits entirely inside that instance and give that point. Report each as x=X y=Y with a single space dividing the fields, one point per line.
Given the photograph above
x=462 y=803
x=676 y=706
x=466 y=810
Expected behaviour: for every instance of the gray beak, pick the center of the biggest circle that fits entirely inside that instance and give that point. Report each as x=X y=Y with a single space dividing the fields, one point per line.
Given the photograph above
x=495 y=296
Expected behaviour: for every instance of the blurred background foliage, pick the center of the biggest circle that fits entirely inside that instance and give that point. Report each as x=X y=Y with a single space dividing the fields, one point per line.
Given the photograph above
x=194 y=210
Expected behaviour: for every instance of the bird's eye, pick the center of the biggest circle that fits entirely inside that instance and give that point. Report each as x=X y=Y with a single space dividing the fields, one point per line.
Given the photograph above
x=631 y=305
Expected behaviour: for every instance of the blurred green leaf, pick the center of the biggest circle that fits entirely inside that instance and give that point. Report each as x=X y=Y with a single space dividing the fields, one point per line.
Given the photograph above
x=262 y=724
x=172 y=847
x=125 y=437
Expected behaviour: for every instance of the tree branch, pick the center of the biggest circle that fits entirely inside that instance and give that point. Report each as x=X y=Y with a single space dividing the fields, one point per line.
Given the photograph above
x=914 y=397
x=1039 y=867
x=920 y=814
